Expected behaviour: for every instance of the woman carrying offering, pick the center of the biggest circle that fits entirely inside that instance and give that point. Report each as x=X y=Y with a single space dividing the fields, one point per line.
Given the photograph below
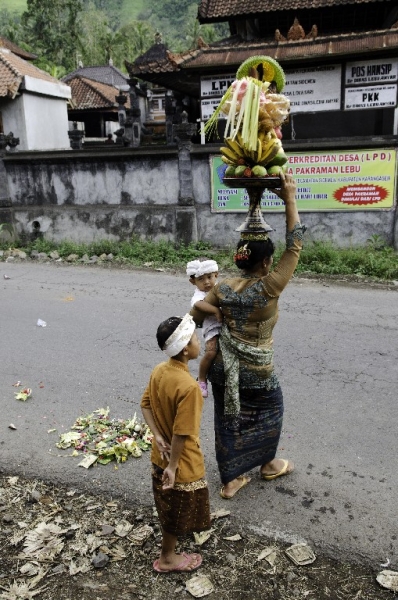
x=248 y=398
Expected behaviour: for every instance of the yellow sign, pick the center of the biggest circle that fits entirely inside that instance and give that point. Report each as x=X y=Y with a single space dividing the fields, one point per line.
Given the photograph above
x=343 y=180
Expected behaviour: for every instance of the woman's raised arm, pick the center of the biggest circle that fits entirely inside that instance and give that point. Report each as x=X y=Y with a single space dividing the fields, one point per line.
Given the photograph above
x=287 y=193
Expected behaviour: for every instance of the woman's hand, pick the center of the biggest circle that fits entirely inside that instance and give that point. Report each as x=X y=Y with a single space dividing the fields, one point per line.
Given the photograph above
x=287 y=193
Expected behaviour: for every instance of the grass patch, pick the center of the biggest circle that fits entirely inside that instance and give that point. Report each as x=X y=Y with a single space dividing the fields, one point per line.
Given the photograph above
x=369 y=261
x=374 y=261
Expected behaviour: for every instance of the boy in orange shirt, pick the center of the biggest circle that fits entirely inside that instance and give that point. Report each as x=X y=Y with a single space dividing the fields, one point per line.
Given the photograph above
x=172 y=407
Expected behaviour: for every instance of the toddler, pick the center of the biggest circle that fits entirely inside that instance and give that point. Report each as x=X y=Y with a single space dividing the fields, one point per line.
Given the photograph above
x=203 y=275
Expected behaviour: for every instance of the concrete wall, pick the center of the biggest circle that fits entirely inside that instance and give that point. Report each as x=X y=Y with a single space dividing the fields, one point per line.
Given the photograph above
x=40 y=123
x=6 y=214
x=13 y=116
x=341 y=228
x=46 y=122
x=152 y=192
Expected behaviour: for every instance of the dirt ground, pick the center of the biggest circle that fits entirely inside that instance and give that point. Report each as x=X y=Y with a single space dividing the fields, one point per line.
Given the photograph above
x=50 y=534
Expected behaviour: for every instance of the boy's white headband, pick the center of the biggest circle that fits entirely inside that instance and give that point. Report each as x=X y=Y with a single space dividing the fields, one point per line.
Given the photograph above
x=180 y=337
x=197 y=268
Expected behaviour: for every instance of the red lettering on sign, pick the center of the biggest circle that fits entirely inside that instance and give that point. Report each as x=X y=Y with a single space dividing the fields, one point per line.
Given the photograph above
x=360 y=194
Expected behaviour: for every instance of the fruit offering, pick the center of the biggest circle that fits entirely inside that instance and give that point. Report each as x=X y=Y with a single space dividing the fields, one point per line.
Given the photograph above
x=255 y=110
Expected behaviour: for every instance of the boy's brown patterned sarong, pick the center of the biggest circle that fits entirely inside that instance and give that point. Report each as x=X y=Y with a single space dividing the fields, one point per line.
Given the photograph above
x=183 y=509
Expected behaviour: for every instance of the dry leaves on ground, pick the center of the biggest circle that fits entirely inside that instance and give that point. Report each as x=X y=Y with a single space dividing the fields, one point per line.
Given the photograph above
x=62 y=543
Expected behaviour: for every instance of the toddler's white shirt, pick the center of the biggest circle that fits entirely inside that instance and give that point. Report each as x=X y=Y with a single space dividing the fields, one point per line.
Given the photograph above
x=211 y=326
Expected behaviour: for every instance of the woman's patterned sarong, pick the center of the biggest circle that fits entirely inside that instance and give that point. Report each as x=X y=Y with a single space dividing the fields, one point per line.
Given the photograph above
x=183 y=509
x=251 y=440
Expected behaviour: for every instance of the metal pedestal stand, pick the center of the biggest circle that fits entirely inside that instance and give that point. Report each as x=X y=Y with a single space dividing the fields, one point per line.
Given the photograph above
x=254 y=223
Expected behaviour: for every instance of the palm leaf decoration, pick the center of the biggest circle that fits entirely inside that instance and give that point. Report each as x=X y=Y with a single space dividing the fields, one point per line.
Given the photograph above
x=243 y=100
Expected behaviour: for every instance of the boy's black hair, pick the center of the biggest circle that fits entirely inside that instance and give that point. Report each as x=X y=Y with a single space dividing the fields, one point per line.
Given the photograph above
x=257 y=252
x=165 y=329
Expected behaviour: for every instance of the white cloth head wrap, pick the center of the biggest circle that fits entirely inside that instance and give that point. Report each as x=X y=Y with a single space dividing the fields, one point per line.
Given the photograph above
x=197 y=268
x=180 y=337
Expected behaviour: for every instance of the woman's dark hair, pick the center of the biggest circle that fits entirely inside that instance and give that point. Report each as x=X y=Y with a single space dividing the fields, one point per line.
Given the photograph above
x=249 y=254
x=165 y=329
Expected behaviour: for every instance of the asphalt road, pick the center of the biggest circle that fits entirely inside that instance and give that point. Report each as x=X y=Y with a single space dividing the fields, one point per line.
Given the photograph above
x=336 y=354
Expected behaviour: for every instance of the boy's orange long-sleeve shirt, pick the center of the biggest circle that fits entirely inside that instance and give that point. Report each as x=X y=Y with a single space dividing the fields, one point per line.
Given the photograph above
x=176 y=403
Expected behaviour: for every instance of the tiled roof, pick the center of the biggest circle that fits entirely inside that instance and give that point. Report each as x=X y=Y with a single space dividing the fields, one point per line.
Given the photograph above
x=5 y=43
x=107 y=74
x=88 y=94
x=12 y=71
x=210 y=10
x=182 y=72
x=156 y=53
x=158 y=60
x=293 y=51
x=233 y=51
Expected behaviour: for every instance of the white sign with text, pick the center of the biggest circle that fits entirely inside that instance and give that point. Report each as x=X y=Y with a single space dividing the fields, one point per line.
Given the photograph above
x=314 y=89
x=381 y=96
x=208 y=107
x=215 y=85
x=371 y=71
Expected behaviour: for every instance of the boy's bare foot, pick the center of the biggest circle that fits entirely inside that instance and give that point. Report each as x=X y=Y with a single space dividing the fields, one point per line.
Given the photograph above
x=180 y=563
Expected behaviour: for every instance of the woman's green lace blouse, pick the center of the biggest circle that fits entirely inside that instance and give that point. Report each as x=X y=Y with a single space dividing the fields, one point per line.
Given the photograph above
x=250 y=308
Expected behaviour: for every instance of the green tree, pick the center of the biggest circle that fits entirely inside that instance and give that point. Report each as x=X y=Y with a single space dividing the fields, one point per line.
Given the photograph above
x=94 y=27
x=112 y=41
x=192 y=29
x=137 y=38
x=179 y=25
x=56 y=71
x=51 y=27
x=63 y=32
x=100 y=42
x=10 y=26
x=171 y=9
x=113 y=9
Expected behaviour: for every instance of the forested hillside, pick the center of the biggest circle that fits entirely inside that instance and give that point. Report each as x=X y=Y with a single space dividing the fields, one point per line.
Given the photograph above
x=65 y=34
x=123 y=9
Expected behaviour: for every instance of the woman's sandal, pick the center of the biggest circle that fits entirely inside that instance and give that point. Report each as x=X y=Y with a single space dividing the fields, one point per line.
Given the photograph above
x=287 y=468
x=243 y=481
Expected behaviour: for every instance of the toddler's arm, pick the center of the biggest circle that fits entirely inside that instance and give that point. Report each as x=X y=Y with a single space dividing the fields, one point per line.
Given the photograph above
x=177 y=446
x=209 y=309
x=162 y=444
